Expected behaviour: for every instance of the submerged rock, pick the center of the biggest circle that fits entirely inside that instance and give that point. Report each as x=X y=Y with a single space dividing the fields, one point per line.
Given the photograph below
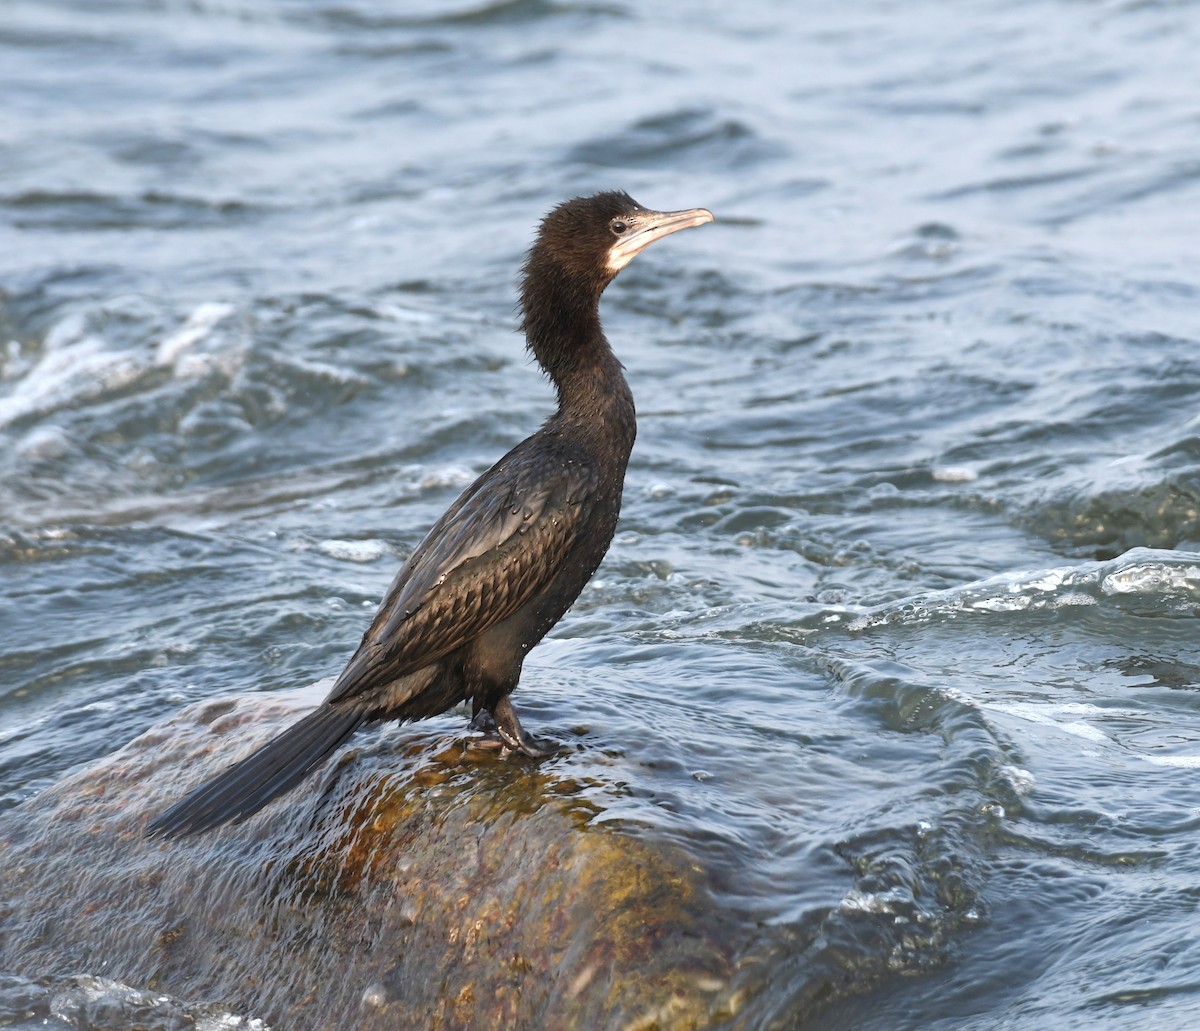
x=428 y=884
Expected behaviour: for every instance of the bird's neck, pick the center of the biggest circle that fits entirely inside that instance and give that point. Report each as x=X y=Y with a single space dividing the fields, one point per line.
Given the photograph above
x=562 y=328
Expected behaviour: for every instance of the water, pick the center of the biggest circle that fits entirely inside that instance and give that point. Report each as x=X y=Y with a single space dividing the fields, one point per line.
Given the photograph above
x=898 y=631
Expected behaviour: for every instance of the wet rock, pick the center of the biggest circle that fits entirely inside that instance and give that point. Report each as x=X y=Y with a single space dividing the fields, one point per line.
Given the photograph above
x=413 y=882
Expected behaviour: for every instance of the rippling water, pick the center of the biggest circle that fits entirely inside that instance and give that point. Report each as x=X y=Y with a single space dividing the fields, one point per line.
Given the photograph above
x=898 y=631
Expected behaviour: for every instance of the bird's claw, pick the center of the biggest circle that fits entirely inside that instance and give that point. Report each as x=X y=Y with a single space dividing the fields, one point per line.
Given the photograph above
x=514 y=737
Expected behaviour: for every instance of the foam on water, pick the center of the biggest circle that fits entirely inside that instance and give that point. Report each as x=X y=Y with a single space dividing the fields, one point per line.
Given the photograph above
x=355 y=551
x=1169 y=577
x=74 y=366
x=199 y=325
x=85 y=1002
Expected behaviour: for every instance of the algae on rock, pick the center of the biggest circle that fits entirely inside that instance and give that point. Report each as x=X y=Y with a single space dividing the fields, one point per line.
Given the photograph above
x=438 y=887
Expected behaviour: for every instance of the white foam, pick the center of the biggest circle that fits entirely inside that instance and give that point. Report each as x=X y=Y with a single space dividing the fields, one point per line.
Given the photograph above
x=1146 y=577
x=74 y=365
x=198 y=325
x=1143 y=571
x=354 y=551
x=954 y=474
x=1183 y=762
x=1059 y=716
x=230 y=1022
x=1020 y=780
x=44 y=442
x=323 y=370
x=400 y=314
x=450 y=476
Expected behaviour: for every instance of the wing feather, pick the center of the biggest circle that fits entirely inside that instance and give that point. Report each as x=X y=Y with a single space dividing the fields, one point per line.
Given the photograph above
x=502 y=541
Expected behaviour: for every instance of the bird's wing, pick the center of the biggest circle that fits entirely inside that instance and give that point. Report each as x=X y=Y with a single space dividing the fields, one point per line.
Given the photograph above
x=501 y=541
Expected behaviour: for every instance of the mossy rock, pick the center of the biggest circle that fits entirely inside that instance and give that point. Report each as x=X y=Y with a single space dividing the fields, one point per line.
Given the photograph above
x=425 y=885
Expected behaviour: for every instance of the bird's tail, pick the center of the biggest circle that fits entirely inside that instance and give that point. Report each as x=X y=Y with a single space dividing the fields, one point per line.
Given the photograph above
x=247 y=786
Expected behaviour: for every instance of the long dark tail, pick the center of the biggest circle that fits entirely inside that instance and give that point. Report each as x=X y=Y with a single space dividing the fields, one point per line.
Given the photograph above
x=247 y=786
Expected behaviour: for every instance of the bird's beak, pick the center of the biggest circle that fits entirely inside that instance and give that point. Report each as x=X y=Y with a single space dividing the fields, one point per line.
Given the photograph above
x=648 y=226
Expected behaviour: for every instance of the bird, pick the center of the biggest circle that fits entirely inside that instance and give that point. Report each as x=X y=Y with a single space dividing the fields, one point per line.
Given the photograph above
x=511 y=554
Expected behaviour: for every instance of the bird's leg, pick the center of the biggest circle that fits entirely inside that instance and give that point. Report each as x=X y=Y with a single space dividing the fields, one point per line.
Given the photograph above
x=513 y=734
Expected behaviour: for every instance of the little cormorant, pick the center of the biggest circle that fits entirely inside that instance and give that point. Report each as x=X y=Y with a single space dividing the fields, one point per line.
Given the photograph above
x=511 y=555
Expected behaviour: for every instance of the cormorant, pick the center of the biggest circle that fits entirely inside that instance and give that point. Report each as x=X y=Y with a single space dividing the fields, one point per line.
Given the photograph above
x=511 y=555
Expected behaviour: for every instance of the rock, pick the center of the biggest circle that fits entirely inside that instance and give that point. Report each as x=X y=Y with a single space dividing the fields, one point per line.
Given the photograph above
x=413 y=882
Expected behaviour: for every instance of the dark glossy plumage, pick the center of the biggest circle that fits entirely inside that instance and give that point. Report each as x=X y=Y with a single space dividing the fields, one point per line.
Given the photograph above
x=511 y=555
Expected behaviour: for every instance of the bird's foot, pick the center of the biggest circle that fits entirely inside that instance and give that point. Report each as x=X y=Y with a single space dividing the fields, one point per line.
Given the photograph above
x=512 y=735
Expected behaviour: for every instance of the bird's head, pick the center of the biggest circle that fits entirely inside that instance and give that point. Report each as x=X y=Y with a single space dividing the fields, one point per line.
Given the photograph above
x=590 y=239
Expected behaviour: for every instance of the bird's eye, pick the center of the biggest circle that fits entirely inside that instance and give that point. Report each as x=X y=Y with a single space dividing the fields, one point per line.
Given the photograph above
x=618 y=226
